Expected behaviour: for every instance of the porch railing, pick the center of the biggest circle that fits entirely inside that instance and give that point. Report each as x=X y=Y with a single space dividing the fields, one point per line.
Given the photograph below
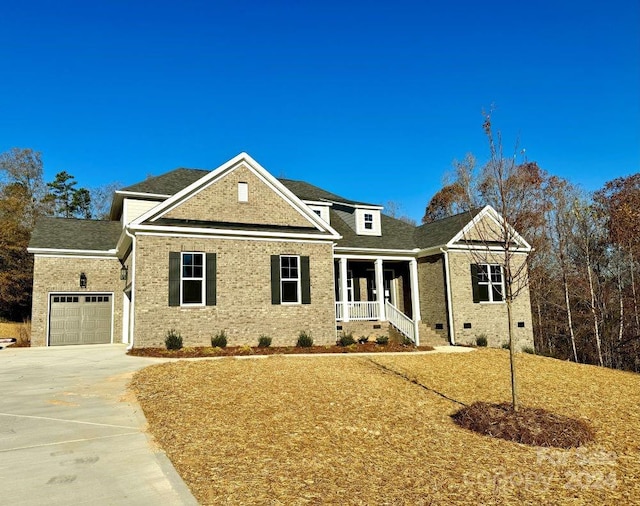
x=358 y=310
x=400 y=321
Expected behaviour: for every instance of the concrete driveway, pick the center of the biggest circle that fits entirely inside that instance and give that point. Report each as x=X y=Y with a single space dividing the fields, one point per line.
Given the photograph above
x=70 y=433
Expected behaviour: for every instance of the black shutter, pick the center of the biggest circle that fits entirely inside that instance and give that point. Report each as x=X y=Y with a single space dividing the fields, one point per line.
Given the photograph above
x=174 y=278
x=474 y=283
x=211 y=279
x=305 y=280
x=275 y=279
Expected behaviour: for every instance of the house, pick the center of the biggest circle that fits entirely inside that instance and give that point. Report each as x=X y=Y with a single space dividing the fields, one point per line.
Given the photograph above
x=236 y=249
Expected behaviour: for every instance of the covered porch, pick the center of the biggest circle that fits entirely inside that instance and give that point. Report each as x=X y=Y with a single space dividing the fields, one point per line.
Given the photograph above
x=383 y=289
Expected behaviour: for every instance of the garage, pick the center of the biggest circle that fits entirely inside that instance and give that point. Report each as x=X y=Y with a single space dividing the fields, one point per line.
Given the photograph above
x=80 y=318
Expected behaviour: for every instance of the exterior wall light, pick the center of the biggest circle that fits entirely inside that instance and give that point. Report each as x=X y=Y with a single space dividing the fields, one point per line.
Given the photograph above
x=124 y=273
x=83 y=280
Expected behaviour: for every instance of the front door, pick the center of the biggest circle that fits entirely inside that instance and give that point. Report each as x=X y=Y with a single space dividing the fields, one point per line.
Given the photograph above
x=389 y=285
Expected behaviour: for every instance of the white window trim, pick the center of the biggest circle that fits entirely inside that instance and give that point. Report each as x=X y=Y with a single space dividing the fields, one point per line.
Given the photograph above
x=490 y=284
x=203 y=279
x=376 y=227
x=298 y=284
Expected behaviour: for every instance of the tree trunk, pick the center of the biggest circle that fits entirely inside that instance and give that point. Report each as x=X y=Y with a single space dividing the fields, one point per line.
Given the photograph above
x=621 y=330
x=569 y=319
x=633 y=291
x=512 y=360
x=593 y=306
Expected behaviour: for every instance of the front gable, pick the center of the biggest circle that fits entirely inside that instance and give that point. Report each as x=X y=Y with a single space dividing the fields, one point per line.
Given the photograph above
x=486 y=230
x=239 y=193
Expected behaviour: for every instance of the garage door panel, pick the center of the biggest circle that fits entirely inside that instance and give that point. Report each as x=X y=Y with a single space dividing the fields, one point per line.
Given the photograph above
x=80 y=319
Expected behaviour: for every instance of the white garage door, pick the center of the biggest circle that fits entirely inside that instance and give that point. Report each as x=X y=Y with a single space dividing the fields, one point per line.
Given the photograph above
x=80 y=319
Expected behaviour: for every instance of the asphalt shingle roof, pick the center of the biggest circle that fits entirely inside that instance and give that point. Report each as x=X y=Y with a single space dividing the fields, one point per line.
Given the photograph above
x=169 y=183
x=75 y=234
x=396 y=234
x=439 y=233
x=306 y=191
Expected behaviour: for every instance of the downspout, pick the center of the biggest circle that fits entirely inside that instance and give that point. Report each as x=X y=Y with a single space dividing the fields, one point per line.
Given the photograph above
x=452 y=330
x=133 y=286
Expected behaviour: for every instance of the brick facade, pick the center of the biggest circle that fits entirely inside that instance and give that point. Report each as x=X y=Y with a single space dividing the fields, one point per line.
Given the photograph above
x=433 y=294
x=219 y=202
x=243 y=309
x=489 y=319
x=62 y=275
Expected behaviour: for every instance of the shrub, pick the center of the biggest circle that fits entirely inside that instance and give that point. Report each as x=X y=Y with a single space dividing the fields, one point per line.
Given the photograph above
x=529 y=349
x=407 y=342
x=173 y=340
x=481 y=340
x=264 y=342
x=346 y=339
x=219 y=340
x=363 y=339
x=382 y=340
x=304 y=340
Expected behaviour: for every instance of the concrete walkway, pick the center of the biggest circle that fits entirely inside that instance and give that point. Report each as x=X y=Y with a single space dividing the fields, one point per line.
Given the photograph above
x=71 y=434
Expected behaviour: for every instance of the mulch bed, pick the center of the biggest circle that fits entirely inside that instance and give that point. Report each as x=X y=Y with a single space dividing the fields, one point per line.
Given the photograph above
x=241 y=351
x=531 y=426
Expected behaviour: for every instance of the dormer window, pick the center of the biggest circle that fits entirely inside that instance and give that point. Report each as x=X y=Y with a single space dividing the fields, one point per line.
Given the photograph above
x=368 y=221
x=321 y=210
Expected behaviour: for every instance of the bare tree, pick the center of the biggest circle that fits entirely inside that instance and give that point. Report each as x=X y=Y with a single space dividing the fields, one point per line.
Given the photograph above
x=514 y=191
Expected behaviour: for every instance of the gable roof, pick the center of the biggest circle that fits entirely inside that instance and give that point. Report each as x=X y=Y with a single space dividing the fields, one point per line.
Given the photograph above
x=167 y=184
x=74 y=234
x=152 y=217
x=306 y=191
x=440 y=232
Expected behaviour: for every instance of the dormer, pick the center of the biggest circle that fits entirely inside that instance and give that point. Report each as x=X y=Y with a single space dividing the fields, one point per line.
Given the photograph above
x=321 y=209
x=368 y=221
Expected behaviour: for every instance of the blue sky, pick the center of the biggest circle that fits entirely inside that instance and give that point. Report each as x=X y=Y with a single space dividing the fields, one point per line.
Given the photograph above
x=371 y=100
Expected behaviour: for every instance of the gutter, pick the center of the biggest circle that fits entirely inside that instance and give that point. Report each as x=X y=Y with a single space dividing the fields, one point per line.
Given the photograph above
x=132 y=312
x=452 y=330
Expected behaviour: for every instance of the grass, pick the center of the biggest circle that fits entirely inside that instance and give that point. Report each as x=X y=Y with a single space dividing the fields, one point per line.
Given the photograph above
x=378 y=430
x=21 y=331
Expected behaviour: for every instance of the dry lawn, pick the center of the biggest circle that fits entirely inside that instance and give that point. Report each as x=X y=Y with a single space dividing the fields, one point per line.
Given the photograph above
x=21 y=331
x=344 y=430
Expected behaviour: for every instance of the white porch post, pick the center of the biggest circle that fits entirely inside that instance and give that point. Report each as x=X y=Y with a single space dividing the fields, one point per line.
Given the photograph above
x=343 y=290
x=415 y=298
x=380 y=289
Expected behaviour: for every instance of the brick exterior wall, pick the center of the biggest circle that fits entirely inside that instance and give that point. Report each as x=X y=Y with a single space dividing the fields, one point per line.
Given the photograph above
x=62 y=275
x=433 y=293
x=364 y=328
x=486 y=318
x=219 y=202
x=243 y=308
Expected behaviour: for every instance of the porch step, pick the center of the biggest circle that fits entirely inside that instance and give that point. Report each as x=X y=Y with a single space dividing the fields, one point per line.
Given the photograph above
x=430 y=337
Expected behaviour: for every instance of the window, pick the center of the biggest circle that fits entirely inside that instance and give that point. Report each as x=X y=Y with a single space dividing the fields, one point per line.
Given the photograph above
x=192 y=285
x=289 y=279
x=368 y=221
x=243 y=192
x=487 y=283
x=192 y=279
x=318 y=212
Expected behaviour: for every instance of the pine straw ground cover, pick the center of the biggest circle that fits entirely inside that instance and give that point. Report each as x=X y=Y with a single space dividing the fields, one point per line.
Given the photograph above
x=242 y=351
x=352 y=430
